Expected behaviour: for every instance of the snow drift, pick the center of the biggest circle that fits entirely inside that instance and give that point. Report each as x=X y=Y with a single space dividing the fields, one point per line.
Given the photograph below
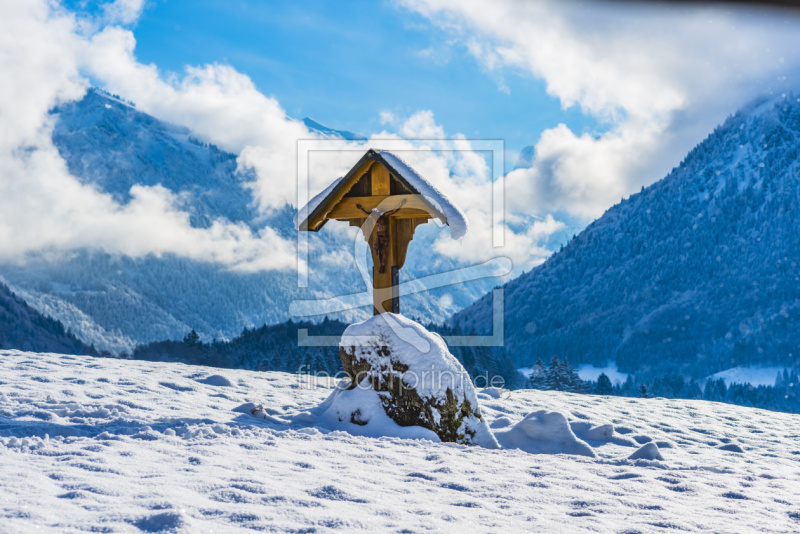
x=544 y=432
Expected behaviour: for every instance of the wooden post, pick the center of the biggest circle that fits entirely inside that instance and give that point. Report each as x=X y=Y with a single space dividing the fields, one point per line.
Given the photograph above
x=384 y=292
x=385 y=286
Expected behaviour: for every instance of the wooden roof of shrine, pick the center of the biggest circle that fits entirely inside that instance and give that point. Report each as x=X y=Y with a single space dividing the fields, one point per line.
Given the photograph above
x=370 y=185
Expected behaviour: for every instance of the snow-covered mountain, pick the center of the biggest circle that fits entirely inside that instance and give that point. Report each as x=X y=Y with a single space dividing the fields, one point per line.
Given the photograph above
x=116 y=302
x=22 y=327
x=697 y=273
x=99 y=444
x=323 y=130
x=109 y=143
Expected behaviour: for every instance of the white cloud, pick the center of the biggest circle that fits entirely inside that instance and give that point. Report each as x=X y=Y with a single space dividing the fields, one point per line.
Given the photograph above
x=44 y=58
x=216 y=102
x=43 y=208
x=123 y=11
x=387 y=117
x=659 y=77
x=462 y=175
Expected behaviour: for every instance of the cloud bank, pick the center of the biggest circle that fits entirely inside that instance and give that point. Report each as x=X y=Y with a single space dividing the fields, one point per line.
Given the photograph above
x=46 y=56
x=657 y=78
x=50 y=55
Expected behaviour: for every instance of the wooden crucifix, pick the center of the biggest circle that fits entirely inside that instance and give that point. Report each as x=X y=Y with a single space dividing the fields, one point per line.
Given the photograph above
x=387 y=199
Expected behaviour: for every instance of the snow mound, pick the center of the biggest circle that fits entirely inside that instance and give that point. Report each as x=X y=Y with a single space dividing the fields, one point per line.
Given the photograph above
x=411 y=374
x=247 y=407
x=593 y=433
x=600 y=433
x=216 y=380
x=731 y=447
x=648 y=451
x=494 y=393
x=544 y=432
x=360 y=412
x=501 y=422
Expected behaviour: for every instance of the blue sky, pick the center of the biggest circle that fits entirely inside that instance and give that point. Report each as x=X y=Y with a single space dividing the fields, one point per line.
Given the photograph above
x=342 y=63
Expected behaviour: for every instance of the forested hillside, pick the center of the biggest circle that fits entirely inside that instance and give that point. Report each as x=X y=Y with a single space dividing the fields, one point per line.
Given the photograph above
x=23 y=328
x=695 y=274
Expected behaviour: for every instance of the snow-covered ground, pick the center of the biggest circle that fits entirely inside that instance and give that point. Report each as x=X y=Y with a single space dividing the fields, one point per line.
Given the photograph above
x=107 y=445
x=757 y=376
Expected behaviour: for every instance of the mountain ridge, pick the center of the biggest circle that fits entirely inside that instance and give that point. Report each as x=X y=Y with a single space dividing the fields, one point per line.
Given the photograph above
x=695 y=274
x=23 y=328
x=116 y=302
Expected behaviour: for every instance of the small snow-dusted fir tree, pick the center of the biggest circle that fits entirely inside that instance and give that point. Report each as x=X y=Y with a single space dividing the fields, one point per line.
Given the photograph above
x=629 y=387
x=574 y=382
x=603 y=386
x=779 y=380
x=192 y=338
x=558 y=376
x=538 y=376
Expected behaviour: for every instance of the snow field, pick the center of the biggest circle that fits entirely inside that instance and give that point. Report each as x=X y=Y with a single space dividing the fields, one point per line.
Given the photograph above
x=128 y=446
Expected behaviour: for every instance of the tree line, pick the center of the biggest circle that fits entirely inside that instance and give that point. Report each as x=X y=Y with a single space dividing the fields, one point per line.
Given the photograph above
x=559 y=375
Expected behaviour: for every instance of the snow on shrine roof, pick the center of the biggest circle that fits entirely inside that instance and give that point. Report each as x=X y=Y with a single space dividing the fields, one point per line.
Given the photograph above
x=452 y=214
x=305 y=212
x=456 y=219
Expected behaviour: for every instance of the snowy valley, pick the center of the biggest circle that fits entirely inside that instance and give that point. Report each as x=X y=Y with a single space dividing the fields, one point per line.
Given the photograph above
x=217 y=316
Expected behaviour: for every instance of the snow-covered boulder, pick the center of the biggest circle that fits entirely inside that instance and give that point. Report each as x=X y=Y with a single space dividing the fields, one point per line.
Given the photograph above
x=418 y=382
x=544 y=432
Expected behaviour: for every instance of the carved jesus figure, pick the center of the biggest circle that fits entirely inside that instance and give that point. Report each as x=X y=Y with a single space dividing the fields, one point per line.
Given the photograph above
x=381 y=231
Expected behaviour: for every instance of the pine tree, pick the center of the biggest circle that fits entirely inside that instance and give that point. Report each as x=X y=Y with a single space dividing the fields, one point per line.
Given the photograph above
x=538 y=376
x=780 y=381
x=629 y=388
x=550 y=381
x=603 y=386
x=693 y=391
x=574 y=383
x=192 y=338
x=560 y=376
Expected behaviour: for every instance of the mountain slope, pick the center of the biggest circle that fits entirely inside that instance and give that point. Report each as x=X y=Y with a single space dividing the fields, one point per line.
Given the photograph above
x=695 y=274
x=314 y=126
x=112 y=145
x=116 y=302
x=22 y=327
